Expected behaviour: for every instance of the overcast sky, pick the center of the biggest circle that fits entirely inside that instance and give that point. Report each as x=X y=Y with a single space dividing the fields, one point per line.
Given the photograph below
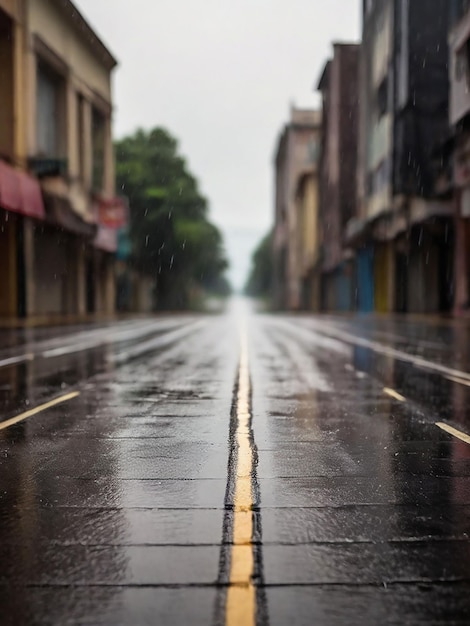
x=221 y=76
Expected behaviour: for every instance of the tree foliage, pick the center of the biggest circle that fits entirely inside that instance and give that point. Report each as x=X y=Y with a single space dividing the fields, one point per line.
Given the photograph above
x=172 y=238
x=260 y=278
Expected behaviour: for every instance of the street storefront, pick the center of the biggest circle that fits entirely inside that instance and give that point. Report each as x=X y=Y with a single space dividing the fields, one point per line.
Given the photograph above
x=384 y=272
x=52 y=261
x=52 y=277
x=345 y=286
x=461 y=176
x=430 y=267
x=59 y=254
x=112 y=215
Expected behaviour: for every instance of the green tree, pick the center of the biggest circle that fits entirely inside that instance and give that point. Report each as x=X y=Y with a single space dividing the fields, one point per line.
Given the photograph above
x=172 y=238
x=260 y=278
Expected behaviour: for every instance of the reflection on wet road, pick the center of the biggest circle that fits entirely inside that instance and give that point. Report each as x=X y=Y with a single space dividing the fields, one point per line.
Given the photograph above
x=311 y=484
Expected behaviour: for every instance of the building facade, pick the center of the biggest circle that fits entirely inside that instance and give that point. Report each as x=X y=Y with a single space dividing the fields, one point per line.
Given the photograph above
x=338 y=166
x=308 y=238
x=295 y=187
x=58 y=155
x=403 y=229
x=459 y=117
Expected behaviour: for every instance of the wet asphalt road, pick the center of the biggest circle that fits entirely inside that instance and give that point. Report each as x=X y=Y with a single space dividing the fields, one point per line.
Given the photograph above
x=118 y=505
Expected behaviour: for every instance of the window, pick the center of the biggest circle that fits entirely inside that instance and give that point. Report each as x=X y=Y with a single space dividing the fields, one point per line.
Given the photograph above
x=460 y=8
x=403 y=54
x=379 y=178
x=382 y=98
x=368 y=6
x=98 y=143
x=462 y=63
x=313 y=151
x=48 y=112
x=81 y=136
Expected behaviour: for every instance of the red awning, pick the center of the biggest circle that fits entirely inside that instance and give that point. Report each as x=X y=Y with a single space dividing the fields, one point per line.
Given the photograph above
x=20 y=192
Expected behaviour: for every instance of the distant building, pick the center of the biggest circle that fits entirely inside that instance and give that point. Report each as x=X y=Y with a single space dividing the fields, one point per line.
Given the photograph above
x=295 y=205
x=403 y=229
x=338 y=165
x=308 y=238
x=58 y=210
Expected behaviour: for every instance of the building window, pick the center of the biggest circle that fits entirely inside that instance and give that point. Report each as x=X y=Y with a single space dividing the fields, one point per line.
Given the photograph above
x=378 y=179
x=81 y=136
x=49 y=112
x=403 y=54
x=462 y=63
x=382 y=98
x=98 y=144
x=313 y=151
x=460 y=8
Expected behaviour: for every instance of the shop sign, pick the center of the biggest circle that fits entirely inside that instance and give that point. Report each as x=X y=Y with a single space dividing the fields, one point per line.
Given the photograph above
x=106 y=239
x=113 y=212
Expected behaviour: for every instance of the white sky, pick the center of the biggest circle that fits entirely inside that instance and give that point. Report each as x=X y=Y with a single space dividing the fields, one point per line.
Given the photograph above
x=221 y=75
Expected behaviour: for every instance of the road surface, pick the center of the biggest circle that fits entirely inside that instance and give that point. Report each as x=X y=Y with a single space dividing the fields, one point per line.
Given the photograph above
x=236 y=469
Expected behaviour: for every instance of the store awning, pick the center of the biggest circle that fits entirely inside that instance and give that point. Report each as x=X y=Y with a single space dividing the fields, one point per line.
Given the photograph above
x=61 y=214
x=20 y=192
x=356 y=231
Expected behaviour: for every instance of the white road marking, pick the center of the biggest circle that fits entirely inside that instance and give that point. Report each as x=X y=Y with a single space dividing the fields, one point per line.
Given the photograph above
x=453 y=431
x=16 y=359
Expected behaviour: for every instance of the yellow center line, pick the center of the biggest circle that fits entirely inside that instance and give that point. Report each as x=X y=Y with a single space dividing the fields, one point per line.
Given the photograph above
x=241 y=595
x=38 y=409
x=453 y=431
x=394 y=394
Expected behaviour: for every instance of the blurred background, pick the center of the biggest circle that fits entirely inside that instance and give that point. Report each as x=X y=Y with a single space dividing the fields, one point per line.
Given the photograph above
x=146 y=150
